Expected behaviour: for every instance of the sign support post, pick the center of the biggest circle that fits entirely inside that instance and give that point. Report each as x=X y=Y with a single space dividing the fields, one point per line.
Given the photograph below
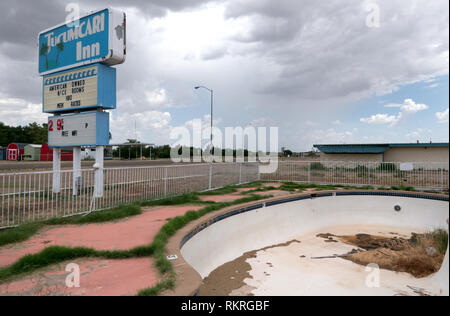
x=98 y=175
x=56 y=170
x=76 y=170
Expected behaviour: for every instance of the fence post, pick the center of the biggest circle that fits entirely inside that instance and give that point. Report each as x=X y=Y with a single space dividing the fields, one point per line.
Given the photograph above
x=240 y=173
x=98 y=173
x=210 y=177
x=309 y=172
x=442 y=178
x=76 y=178
x=368 y=173
x=56 y=185
x=259 y=171
x=165 y=182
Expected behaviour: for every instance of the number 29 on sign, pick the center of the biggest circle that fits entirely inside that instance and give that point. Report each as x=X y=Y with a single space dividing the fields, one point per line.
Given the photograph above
x=59 y=125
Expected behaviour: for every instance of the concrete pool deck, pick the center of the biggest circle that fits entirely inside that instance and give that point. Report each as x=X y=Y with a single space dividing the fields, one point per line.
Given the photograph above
x=239 y=234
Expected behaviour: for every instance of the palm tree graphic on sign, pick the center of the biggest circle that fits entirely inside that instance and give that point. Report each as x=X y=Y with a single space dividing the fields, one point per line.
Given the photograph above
x=43 y=52
x=60 y=47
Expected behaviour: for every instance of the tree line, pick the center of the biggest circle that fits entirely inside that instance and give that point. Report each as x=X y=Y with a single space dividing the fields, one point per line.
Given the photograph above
x=32 y=133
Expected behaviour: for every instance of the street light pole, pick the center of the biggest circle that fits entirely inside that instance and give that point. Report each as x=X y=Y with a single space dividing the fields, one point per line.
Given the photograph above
x=212 y=102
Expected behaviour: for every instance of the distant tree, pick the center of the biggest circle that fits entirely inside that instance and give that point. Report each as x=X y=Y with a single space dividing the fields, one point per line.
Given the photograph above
x=288 y=153
x=33 y=134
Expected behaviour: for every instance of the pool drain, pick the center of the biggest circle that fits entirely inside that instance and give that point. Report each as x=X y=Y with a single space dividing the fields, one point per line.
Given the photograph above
x=397 y=208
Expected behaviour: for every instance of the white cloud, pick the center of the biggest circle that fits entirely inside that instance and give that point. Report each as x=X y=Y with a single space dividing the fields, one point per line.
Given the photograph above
x=420 y=134
x=151 y=126
x=380 y=119
x=337 y=122
x=158 y=99
x=311 y=124
x=408 y=107
x=329 y=136
x=205 y=122
x=442 y=116
x=261 y=122
x=16 y=112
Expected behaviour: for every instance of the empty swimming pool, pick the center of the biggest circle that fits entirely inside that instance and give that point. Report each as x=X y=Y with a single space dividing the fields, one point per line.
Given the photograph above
x=277 y=244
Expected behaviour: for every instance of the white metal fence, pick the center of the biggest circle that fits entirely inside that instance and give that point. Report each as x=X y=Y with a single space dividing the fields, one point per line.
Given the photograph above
x=29 y=197
x=420 y=175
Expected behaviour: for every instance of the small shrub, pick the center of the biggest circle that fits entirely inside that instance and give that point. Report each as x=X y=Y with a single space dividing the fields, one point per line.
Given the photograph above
x=317 y=166
x=387 y=167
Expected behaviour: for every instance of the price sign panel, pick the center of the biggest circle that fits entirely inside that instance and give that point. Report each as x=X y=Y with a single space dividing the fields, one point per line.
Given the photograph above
x=81 y=88
x=96 y=37
x=81 y=129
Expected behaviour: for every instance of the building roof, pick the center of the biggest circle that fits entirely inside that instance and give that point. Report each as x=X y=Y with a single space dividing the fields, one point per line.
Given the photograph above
x=371 y=148
x=132 y=144
x=19 y=145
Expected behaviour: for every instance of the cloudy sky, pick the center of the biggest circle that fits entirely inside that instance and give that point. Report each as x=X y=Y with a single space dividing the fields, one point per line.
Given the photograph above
x=322 y=71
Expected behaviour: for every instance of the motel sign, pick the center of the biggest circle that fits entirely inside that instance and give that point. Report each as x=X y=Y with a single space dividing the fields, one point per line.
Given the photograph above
x=97 y=37
x=78 y=85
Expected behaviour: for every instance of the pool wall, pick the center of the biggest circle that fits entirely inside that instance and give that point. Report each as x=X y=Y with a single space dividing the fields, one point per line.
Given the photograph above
x=227 y=236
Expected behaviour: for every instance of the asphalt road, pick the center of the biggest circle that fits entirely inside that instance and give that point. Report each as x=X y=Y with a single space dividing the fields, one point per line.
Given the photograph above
x=8 y=166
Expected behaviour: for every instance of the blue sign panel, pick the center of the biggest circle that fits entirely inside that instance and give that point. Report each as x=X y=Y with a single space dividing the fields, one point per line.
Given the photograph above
x=81 y=88
x=98 y=37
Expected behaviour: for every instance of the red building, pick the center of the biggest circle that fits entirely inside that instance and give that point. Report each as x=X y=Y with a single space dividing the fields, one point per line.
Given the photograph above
x=15 y=151
x=47 y=154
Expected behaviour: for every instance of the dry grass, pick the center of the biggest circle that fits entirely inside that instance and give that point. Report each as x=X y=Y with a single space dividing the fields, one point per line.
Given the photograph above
x=403 y=255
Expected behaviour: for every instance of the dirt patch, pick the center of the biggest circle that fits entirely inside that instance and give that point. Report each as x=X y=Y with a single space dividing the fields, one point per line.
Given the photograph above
x=328 y=237
x=369 y=242
x=418 y=255
x=230 y=276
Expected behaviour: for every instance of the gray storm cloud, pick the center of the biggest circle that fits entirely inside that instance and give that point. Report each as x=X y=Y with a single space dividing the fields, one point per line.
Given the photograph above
x=276 y=57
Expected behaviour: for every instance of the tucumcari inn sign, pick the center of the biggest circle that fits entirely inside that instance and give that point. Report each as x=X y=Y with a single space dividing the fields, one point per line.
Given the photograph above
x=78 y=85
x=97 y=37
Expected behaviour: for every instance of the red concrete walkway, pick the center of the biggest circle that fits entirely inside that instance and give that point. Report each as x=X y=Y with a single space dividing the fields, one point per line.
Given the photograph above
x=97 y=278
x=121 y=235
